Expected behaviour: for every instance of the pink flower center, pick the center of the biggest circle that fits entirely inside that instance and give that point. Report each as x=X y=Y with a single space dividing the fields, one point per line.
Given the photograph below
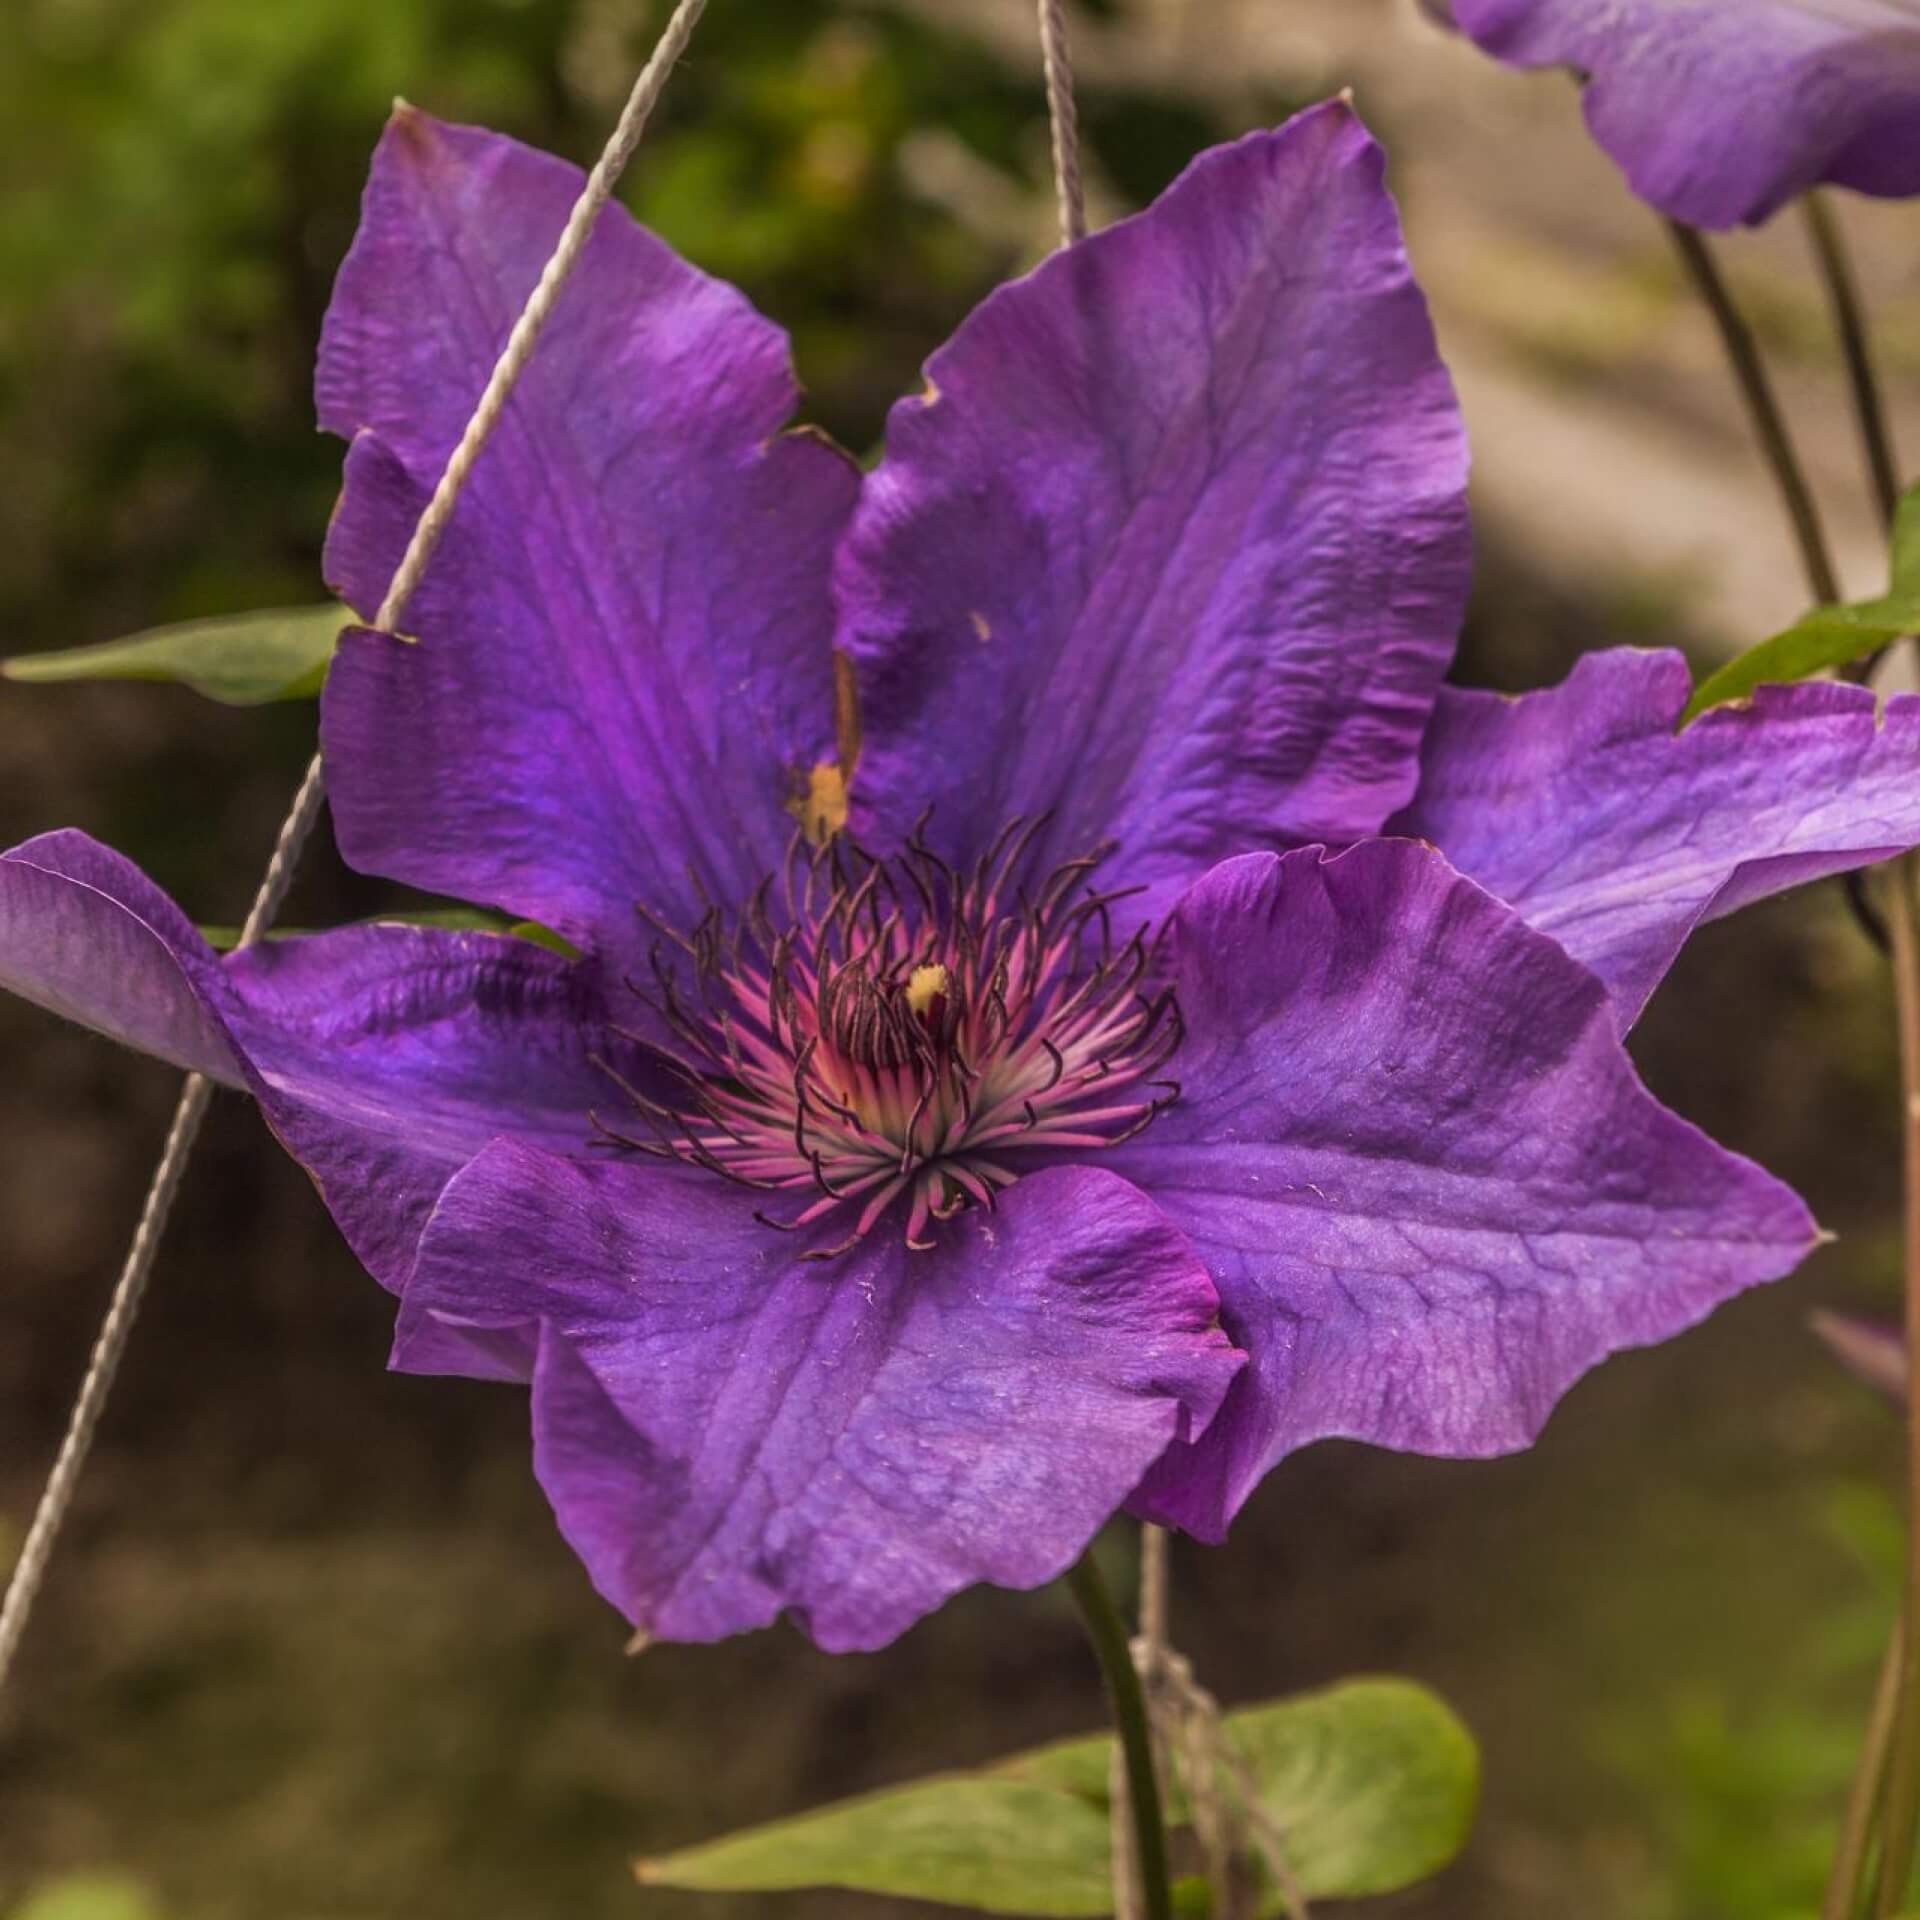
x=914 y=1035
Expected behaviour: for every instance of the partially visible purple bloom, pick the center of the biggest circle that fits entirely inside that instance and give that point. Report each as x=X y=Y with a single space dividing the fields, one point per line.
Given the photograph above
x=1721 y=111
x=875 y=1211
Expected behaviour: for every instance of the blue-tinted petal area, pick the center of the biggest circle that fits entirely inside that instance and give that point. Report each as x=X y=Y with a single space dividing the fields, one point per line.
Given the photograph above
x=1174 y=547
x=1720 y=111
x=384 y=1057
x=622 y=671
x=1421 y=1170
x=1586 y=810
x=728 y=1432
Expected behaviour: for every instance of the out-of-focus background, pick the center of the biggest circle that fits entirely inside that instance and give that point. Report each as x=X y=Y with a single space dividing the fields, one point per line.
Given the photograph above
x=313 y=1647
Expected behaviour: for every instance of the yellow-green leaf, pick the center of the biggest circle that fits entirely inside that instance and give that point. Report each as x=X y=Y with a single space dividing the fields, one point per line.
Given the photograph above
x=992 y=1845
x=1372 y=1783
x=244 y=660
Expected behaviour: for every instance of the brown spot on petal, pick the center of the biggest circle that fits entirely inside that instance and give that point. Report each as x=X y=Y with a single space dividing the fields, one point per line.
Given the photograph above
x=821 y=808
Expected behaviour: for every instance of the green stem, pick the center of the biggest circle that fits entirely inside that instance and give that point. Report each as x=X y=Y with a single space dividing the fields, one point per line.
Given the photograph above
x=1850 y=322
x=1903 y=1772
x=1756 y=389
x=1847 y=1882
x=1108 y=1633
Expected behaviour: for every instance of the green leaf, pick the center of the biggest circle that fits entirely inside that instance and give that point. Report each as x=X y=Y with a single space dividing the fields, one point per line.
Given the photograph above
x=243 y=660
x=1373 y=1784
x=1829 y=637
x=449 y=919
x=994 y=1845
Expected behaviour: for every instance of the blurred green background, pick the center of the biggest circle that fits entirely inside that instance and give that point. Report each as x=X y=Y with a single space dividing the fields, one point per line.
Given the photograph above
x=313 y=1648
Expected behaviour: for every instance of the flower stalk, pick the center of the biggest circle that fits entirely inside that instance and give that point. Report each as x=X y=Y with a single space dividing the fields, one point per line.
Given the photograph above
x=1886 y=1786
x=1902 y=1816
x=1108 y=1633
x=1850 y=323
x=1763 y=409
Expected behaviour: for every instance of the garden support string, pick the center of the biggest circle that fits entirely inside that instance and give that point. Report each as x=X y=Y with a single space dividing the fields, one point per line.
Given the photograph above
x=129 y=1290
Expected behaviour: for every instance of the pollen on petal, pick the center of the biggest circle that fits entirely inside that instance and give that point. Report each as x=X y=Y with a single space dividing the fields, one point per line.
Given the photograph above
x=822 y=808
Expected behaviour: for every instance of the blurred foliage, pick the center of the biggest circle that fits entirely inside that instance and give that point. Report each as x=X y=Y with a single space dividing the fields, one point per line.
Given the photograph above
x=87 y=1896
x=1742 y=1799
x=178 y=180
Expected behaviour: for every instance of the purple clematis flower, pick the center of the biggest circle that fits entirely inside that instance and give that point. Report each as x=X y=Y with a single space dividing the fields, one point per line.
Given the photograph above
x=1071 y=1101
x=1721 y=111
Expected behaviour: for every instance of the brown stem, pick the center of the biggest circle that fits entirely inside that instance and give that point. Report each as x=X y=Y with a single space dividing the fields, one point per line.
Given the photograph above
x=1903 y=1774
x=1850 y=322
x=1847 y=1880
x=1769 y=424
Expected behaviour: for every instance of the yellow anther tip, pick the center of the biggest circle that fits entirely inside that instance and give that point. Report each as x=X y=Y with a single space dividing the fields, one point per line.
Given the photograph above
x=926 y=985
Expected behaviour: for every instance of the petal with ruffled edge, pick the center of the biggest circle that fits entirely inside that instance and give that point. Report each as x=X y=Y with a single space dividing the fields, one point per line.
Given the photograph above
x=622 y=672
x=1421 y=1170
x=1584 y=809
x=1175 y=545
x=1721 y=111
x=728 y=1432
x=384 y=1057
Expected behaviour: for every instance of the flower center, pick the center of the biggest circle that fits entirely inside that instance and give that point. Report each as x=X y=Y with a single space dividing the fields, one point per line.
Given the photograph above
x=913 y=1034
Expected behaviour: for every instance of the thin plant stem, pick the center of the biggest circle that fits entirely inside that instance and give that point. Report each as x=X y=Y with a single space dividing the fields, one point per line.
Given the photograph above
x=1850 y=322
x=1886 y=1781
x=1153 y=1594
x=1902 y=1819
x=1763 y=409
x=1846 y=1883
x=1108 y=1633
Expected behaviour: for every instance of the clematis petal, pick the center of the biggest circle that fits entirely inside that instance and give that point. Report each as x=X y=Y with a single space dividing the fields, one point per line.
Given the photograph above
x=1720 y=111
x=622 y=672
x=1584 y=809
x=89 y=937
x=1420 y=1169
x=728 y=1432
x=383 y=1056
x=1174 y=546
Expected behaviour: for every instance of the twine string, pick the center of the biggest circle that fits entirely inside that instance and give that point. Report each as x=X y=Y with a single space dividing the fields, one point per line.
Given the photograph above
x=1064 y=119
x=109 y=1348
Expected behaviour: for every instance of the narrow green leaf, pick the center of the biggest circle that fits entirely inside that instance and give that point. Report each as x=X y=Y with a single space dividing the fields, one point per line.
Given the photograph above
x=1825 y=638
x=244 y=660
x=993 y=1845
x=1372 y=1783
x=449 y=919
x=1829 y=637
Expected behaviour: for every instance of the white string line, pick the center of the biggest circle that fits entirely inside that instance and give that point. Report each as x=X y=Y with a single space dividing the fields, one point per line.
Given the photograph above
x=109 y=1347
x=1065 y=121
